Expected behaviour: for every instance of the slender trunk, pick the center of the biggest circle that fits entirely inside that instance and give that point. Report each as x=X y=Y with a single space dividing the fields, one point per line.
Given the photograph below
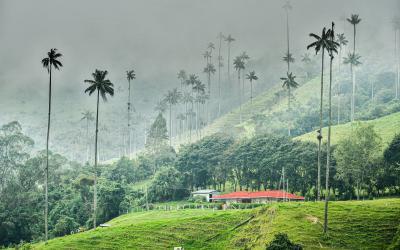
x=219 y=76
x=287 y=37
x=320 y=129
x=46 y=209
x=95 y=163
x=289 y=120
x=170 y=124
x=251 y=91
x=338 y=86
x=353 y=77
x=129 y=119
x=229 y=62
x=397 y=63
x=240 y=99
x=328 y=150
x=354 y=39
x=87 y=140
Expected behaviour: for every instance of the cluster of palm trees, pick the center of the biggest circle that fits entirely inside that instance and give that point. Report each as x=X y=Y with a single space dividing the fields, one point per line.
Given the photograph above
x=99 y=85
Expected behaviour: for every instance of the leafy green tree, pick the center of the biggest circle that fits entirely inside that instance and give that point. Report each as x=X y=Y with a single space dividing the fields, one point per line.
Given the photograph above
x=158 y=133
x=103 y=87
x=289 y=82
x=130 y=75
x=110 y=198
x=166 y=185
x=322 y=43
x=251 y=76
x=365 y=144
x=52 y=60
x=65 y=226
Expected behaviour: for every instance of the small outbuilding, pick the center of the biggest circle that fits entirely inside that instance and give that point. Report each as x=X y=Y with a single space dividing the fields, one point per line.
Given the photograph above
x=207 y=193
x=257 y=197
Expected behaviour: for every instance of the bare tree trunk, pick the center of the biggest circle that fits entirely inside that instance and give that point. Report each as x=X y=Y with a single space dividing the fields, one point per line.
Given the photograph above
x=240 y=98
x=129 y=119
x=353 y=93
x=338 y=86
x=219 y=76
x=95 y=163
x=46 y=210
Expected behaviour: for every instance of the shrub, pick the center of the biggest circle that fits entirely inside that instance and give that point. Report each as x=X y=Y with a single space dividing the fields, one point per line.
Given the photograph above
x=282 y=242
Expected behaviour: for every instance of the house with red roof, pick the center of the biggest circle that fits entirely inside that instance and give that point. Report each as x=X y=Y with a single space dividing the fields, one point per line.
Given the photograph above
x=256 y=197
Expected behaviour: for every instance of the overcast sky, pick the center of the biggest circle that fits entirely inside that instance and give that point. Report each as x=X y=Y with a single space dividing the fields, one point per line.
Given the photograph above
x=159 y=37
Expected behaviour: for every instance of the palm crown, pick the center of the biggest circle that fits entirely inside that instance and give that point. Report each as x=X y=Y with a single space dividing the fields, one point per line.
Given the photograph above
x=229 y=39
x=130 y=75
x=211 y=46
x=287 y=6
x=101 y=84
x=306 y=58
x=182 y=75
x=192 y=80
x=173 y=96
x=352 y=59
x=396 y=23
x=51 y=60
x=354 y=19
x=323 y=42
x=289 y=81
x=199 y=87
x=341 y=39
x=87 y=115
x=288 y=57
x=238 y=63
x=252 y=76
x=209 y=68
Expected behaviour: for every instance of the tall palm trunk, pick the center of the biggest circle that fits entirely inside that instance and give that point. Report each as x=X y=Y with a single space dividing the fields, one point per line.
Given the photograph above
x=353 y=79
x=95 y=163
x=240 y=99
x=251 y=91
x=328 y=149
x=397 y=63
x=129 y=119
x=229 y=62
x=289 y=111
x=219 y=76
x=354 y=38
x=170 y=124
x=320 y=129
x=338 y=87
x=46 y=210
x=87 y=139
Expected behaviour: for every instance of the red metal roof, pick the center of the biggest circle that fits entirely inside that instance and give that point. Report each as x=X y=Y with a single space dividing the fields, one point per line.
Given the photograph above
x=258 y=194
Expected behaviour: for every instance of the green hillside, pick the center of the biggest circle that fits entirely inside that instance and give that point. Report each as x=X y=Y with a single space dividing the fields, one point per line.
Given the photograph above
x=386 y=127
x=353 y=225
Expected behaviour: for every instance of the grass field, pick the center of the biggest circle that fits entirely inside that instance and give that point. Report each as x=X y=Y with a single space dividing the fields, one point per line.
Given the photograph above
x=386 y=127
x=353 y=225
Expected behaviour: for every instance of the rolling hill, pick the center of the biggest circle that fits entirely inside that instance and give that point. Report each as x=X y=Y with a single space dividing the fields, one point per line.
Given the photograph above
x=353 y=225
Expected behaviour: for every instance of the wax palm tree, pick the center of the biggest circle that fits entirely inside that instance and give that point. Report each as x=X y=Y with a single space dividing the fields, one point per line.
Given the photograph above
x=353 y=60
x=103 y=87
x=342 y=41
x=288 y=58
x=209 y=69
x=182 y=76
x=305 y=58
x=245 y=58
x=251 y=76
x=220 y=65
x=332 y=49
x=207 y=56
x=211 y=47
x=199 y=88
x=187 y=98
x=191 y=82
x=288 y=7
x=49 y=62
x=88 y=116
x=239 y=66
x=181 y=118
x=161 y=106
x=130 y=75
x=354 y=20
x=396 y=27
x=172 y=98
x=229 y=40
x=289 y=83
x=321 y=44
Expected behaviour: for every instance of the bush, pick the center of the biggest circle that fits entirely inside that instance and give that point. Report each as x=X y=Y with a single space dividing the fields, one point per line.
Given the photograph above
x=282 y=242
x=65 y=226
